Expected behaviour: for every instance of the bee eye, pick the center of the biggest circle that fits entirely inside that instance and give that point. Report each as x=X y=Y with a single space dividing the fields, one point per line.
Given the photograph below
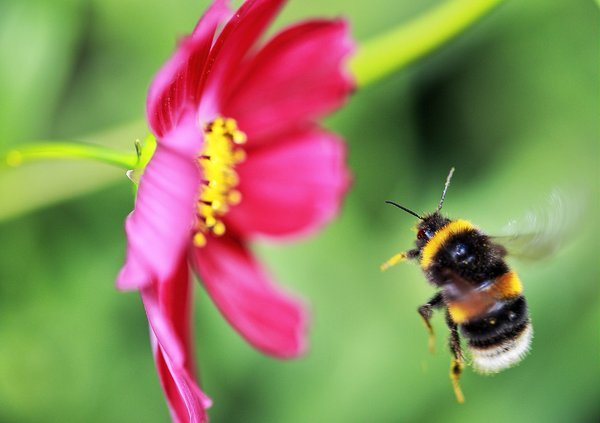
x=424 y=234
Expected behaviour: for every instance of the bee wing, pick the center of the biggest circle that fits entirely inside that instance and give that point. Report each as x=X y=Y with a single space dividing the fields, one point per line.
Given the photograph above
x=542 y=232
x=529 y=246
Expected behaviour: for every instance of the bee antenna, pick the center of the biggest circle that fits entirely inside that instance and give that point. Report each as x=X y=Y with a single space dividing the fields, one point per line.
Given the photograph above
x=445 y=189
x=405 y=209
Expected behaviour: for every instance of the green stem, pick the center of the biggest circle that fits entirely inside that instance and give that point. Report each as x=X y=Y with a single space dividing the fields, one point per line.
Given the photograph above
x=68 y=150
x=407 y=43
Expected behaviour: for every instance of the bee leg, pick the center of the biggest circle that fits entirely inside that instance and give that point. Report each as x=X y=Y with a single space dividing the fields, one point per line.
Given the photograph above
x=426 y=310
x=397 y=258
x=457 y=363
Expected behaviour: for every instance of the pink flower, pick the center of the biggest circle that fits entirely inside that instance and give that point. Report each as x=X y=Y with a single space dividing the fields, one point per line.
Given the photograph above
x=239 y=156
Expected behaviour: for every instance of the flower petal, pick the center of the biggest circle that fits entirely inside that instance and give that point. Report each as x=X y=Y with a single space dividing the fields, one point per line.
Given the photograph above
x=177 y=84
x=268 y=319
x=187 y=403
x=298 y=76
x=232 y=45
x=291 y=186
x=168 y=305
x=161 y=326
x=159 y=227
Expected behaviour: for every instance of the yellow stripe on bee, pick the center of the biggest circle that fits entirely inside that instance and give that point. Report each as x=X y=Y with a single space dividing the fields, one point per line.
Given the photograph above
x=507 y=286
x=458 y=313
x=441 y=236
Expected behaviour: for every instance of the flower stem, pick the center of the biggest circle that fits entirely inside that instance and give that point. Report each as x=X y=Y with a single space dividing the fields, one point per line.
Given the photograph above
x=69 y=150
x=407 y=43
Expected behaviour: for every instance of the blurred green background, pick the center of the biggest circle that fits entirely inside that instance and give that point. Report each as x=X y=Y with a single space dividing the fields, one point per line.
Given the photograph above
x=513 y=103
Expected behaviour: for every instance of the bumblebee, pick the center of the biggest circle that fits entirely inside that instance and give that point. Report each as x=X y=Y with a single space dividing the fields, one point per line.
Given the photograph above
x=481 y=296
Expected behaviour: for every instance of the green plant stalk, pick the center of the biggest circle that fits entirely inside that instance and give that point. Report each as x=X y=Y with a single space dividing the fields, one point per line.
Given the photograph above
x=68 y=150
x=403 y=45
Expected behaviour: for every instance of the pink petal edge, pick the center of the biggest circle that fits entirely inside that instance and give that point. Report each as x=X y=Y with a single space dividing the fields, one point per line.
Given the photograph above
x=177 y=85
x=268 y=319
x=298 y=76
x=158 y=229
x=168 y=305
x=237 y=37
x=187 y=403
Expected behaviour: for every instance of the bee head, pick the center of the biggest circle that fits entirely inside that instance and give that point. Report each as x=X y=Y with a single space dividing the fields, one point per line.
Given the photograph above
x=428 y=226
x=431 y=223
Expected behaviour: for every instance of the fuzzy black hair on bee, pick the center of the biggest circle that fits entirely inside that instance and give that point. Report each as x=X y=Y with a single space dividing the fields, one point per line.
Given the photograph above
x=481 y=296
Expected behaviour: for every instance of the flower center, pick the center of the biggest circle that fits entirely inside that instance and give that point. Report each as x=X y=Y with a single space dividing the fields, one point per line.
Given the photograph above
x=221 y=154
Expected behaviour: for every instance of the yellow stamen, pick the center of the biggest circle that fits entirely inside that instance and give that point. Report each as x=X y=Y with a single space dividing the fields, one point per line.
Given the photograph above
x=234 y=198
x=199 y=239
x=219 y=228
x=218 y=160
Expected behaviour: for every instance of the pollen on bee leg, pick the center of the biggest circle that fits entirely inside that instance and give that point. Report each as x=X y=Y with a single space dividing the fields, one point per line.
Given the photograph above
x=430 y=336
x=431 y=342
x=456 y=367
x=395 y=259
x=426 y=311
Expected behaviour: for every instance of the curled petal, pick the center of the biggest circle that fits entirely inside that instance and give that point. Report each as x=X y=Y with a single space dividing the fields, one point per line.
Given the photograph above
x=176 y=87
x=291 y=187
x=267 y=318
x=187 y=403
x=162 y=327
x=232 y=45
x=168 y=305
x=298 y=76
x=159 y=227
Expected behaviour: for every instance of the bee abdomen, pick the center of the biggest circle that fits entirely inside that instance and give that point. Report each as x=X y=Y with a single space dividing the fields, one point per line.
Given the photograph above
x=500 y=338
x=509 y=352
